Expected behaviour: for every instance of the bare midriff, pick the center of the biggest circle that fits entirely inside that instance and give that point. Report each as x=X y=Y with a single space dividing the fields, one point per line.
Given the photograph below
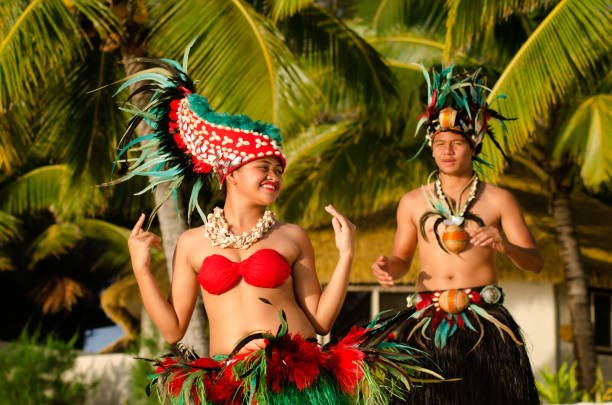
x=239 y=312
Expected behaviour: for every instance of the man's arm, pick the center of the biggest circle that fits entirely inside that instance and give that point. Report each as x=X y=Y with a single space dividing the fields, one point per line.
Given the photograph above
x=518 y=243
x=387 y=269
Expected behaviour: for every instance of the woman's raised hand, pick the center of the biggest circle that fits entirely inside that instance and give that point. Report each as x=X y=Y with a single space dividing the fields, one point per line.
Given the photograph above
x=139 y=244
x=345 y=231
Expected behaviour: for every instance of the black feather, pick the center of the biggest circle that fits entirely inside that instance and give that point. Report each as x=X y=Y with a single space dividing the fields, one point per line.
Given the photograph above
x=422 y=222
x=436 y=225
x=475 y=218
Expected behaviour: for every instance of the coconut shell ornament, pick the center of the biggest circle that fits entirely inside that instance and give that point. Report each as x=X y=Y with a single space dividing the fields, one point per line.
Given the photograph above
x=455 y=238
x=450 y=213
x=453 y=301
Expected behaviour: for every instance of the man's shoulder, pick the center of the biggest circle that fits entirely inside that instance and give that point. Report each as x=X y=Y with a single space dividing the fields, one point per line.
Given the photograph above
x=414 y=195
x=496 y=192
x=412 y=203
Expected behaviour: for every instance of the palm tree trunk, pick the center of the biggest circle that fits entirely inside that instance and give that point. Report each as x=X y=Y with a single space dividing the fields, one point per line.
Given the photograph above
x=171 y=226
x=577 y=288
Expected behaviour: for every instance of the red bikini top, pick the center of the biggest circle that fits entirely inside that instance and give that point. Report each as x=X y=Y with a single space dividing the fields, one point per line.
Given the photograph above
x=264 y=268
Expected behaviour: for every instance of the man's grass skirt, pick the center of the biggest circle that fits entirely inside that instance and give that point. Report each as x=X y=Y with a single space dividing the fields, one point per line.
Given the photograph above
x=480 y=350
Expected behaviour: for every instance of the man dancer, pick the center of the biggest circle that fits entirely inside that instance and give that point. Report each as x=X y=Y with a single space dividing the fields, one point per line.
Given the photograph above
x=458 y=317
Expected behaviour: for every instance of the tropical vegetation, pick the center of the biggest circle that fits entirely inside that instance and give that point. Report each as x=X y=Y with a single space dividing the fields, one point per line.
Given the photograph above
x=338 y=77
x=32 y=372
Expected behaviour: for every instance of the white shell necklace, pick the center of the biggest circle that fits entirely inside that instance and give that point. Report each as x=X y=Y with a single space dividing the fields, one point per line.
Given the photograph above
x=457 y=211
x=218 y=233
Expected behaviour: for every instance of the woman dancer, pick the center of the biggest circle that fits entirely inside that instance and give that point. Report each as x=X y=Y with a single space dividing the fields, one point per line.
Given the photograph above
x=256 y=274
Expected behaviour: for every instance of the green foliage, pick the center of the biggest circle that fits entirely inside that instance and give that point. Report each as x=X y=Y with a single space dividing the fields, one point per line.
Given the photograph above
x=35 y=33
x=139 y=382
x=48 y=188
x=240 y=59
x=561 y=387
x=468 y=19
x=569 y=45
x=286 y=8
x=338 y=54
x=141 y=370
x=393 y=15
x=31 y=372
x=588 y=140
x=84 y=124
x=602 y=391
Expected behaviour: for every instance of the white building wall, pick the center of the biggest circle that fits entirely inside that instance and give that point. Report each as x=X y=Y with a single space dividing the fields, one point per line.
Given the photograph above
x=533 y=307
x=111 y=371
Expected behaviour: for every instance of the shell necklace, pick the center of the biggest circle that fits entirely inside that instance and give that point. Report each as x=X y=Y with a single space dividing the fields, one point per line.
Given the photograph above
x=456 y=210
x=218 y=233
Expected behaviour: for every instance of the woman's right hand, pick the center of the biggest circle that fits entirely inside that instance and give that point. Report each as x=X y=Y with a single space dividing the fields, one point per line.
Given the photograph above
x=139 y=244
x=344 y=230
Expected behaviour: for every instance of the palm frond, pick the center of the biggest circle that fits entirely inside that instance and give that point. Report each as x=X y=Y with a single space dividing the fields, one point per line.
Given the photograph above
x=55 y=241
x=15 y=135
x=391 y=15
x=240 y=59
x=124 y=206
x=570 y=44
x=282 y=9
x=6 y=264
x=314 y=141
x=9 y=228
x=107 y=247
x=330 y=45
x=108 y=243
x=469 y=19
x=84 y=125
x=35 y=38
x=402 y=50
x=587 y=139
x=46 y=188
x=353 y=156
x=38 y=189
x=56 y=293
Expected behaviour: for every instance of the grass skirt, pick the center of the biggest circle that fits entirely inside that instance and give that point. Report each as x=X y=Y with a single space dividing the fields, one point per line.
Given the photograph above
x=489 y=359
x=361 y=368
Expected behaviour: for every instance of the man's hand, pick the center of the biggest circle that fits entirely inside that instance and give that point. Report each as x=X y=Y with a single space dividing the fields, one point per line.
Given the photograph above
x=489 y=237
x=380 y=269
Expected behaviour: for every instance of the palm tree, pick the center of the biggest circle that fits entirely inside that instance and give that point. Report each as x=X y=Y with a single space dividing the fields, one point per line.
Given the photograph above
x=563 y=55
x=248 y=57
x=561 y=45
x=46 y=237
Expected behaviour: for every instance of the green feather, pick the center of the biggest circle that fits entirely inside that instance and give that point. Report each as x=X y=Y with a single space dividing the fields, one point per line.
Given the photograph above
x=201 y=107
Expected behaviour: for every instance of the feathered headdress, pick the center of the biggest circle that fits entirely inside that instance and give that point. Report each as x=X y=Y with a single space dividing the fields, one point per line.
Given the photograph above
x=188 y=137
x=458 y=103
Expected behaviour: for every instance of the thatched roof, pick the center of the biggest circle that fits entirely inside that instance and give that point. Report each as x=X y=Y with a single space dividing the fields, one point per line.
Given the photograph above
x=593 y=220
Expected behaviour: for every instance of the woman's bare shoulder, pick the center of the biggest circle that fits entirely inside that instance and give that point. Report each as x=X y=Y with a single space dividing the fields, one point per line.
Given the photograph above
x=292 y=231
x=194 y=237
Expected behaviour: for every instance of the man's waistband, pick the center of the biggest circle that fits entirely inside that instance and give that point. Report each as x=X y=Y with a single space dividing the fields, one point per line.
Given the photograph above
x=456 y=300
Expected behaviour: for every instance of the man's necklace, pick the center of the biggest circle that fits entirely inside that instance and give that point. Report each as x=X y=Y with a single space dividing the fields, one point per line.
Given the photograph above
x=454 y=208
x=217 y=230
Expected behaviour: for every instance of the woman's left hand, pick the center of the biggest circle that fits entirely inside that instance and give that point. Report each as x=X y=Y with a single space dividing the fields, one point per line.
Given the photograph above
x=345 y=231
